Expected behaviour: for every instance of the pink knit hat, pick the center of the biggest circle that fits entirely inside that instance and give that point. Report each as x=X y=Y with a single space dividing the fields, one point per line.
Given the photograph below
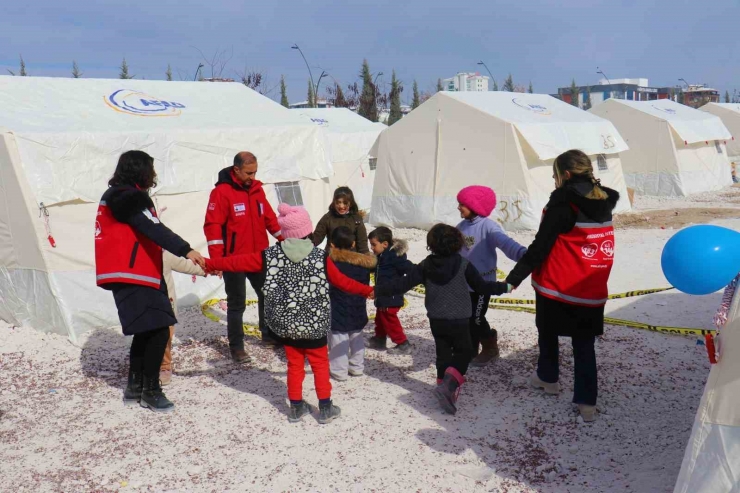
x=481 y=200
x=294 y=221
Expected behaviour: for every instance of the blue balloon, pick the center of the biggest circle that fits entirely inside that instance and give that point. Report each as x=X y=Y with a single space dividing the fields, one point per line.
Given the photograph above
x=701 y=259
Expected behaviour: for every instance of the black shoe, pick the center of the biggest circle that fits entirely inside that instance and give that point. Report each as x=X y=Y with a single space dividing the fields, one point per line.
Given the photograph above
x=132 y=394
x=376 y=342
x=269 y=341
x=153 y=397
x=403 y=348
x=327 y=413
x=298 y=411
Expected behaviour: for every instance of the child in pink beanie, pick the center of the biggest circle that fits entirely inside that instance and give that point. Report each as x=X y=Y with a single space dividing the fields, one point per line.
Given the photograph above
x=297 y=306
x=482 y=237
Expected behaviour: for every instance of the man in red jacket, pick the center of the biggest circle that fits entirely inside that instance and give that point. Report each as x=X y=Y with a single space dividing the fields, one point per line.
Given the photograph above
x=237 y=221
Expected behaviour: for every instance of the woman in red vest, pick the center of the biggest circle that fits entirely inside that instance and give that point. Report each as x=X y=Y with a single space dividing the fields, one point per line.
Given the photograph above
x=570 y=260
x=129 y=239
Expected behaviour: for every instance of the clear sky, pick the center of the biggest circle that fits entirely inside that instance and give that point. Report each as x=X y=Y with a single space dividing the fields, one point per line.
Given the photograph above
x=546 y=42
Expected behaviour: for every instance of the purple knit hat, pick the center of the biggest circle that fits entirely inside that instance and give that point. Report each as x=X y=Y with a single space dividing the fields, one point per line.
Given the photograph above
x=481 y=200
x=294 y=221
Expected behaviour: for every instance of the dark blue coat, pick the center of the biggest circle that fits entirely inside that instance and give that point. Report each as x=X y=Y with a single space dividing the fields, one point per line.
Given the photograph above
x=392 y=265
x=349 y=312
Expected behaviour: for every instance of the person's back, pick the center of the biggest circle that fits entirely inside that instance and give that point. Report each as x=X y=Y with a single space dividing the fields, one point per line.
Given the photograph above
x=447 y=296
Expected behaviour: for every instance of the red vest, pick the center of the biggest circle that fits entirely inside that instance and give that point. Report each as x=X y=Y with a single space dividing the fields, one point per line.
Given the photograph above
x=577 y=269
x=124 y=255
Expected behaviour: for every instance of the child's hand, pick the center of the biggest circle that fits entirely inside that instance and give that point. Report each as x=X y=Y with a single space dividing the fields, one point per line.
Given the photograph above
x=371 y=296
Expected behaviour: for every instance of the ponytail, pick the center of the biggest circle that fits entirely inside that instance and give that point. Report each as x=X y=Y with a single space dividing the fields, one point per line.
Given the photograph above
x=577 y=163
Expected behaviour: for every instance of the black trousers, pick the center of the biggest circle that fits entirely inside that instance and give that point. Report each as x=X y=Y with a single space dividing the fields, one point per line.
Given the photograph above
x=236 y=296
x=147 y=351
x=584 y=354
x=480 y=329
x=452 y=343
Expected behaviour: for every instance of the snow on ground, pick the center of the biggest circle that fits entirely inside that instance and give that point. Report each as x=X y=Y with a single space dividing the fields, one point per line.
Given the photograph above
x=63 y=427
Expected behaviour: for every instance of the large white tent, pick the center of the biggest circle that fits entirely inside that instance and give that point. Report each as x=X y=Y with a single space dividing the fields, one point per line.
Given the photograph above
x=729 y=113
x=711 y=463
x=674 y=150
x=507 y=141
x=350 y=138
x=59 y=143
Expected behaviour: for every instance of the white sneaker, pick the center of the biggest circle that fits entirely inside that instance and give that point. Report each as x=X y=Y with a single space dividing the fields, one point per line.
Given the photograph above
x=356 y=373
x=339 y=378
x=549 y=388
x=588 y=413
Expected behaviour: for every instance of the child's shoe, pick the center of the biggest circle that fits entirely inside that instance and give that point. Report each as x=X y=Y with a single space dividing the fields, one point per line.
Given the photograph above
x=588 y=413
x=376 y=342
x=153 y=397
x=298 y=411
x=355 y=373
x=489 y=353
x=403 y=348
x=448 y=391
x=327 y=412
x=339 y=378
x=549 y=388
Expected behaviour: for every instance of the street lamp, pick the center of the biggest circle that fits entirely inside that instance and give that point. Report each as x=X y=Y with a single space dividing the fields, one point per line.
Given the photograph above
x=599 y=71
x=316 y=92
x=200 y=66
x=296 y=47
x=376 y=77
x=684 y=81
x=489 y=72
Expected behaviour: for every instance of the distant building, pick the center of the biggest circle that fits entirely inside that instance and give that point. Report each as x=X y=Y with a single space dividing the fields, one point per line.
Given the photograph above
x=384 y=113
x=321 y=103
x=638 y=90
x=631 y=89
x=466 y=81
x=697 y=95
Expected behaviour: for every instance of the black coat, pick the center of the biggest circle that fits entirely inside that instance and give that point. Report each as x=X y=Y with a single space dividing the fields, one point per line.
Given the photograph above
x=141 y=308
x=554 y=316
x=349 y=312
x=392 y=265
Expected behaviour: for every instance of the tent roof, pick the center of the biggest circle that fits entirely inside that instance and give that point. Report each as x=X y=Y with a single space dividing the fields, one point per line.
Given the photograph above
x=690 y=124
x=47 y=104
x=70 y=132
x=734 y=107
x=340 y=120
x=549 y=126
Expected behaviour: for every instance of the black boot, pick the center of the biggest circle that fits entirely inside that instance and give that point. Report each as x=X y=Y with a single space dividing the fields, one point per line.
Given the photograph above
x=448 y=391
x=153 y=397
x=298 y=411
x=132 y=394
x=327 y=412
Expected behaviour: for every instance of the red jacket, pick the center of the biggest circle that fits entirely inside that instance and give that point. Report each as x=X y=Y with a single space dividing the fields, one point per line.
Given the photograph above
x=577 y=269
x=253 y=262
x=238 y=218
x=122 y=254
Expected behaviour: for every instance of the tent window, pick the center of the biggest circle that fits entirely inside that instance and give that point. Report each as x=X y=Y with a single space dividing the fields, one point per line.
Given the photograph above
x=718 y=147
x=601 y=162
x=289 y=192
x=373 y=163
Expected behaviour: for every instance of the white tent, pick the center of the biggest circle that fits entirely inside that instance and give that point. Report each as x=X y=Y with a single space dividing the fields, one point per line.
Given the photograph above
x=350 y=138
x=729 y=113
x=711 y=463
x=59 y=143
x=507 y=141
x=674 y=150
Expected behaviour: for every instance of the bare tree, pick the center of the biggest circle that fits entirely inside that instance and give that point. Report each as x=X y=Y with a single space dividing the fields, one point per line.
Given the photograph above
x=76 y=70
x=217 y=62
x=169 y=72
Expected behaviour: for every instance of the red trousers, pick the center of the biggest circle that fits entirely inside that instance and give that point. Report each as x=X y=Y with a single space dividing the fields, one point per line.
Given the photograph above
x=318 y=358
x=387 y=324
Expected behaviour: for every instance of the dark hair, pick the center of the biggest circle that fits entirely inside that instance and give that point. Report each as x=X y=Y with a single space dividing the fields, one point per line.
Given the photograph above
x=135 y=169
x=444 y=240
x=345 y=193
x=243 y=158
x=381 y=235
x=342 y=238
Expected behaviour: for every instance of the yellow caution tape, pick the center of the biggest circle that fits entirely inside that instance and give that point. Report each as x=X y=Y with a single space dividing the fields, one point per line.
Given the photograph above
x=254 y=330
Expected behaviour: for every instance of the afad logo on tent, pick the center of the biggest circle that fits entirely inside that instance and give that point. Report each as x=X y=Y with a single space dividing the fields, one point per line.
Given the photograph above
x=670 y=111
x=534 y=108
x=140 y=104
x=320 y=121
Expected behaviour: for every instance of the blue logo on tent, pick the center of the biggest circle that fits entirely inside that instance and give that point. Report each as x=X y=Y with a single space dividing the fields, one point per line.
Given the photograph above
x=670 y=111
x=320 y=121
x=535 y=108
x=140 y=104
